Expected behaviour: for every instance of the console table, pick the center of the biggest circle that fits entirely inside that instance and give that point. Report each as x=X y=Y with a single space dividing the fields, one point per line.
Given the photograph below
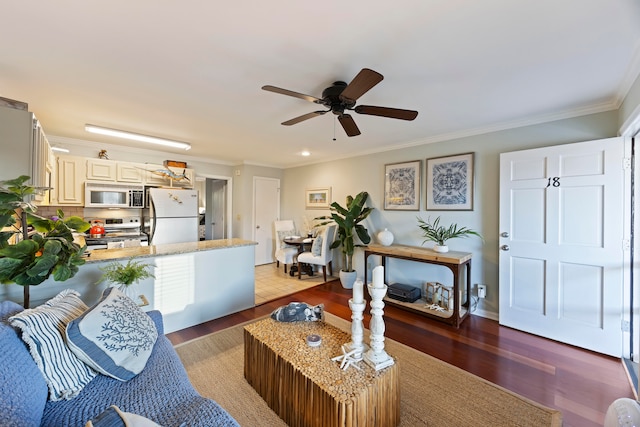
x=305 y=388
x=454 y=261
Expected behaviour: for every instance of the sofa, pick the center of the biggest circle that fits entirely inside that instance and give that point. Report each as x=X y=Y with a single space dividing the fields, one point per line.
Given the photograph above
x=161 y=392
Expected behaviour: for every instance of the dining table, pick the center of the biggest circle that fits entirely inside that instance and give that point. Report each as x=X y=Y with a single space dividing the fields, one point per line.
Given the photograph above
x=300 y=242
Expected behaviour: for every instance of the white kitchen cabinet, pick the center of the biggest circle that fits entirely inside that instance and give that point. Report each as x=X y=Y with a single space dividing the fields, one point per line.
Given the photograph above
x=153 y=176
x=101 y=170
x=27 y=150
x=71 y=173
x=42 y=166
x=129 y=173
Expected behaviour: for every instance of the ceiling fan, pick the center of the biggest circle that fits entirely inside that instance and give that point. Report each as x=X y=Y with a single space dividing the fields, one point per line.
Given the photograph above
x=342 y=97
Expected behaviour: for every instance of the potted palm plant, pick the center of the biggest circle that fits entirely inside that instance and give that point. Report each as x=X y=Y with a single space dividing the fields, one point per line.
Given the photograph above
x=348 y=220
x=29 y=258
x=434 y=232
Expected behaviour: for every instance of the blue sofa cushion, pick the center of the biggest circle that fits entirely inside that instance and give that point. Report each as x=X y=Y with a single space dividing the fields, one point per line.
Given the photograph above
x=23 y=390
x=115 y=337
x=43 y=329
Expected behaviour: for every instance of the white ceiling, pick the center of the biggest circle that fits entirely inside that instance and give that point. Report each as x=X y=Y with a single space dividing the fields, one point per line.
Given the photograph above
x=193 y=70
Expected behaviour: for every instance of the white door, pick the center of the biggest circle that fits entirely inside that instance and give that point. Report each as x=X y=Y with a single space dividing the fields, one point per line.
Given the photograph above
x=561 y=243
x=266 y=209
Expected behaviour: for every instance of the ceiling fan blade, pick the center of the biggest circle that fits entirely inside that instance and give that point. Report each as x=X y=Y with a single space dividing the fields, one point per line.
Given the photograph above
x=304 y=117
x=365 y=80
x=292 y=93
x=349 y=125
x=393 y=113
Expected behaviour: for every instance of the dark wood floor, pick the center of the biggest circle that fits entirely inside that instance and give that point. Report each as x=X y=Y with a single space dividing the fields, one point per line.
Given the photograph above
x=580 y=383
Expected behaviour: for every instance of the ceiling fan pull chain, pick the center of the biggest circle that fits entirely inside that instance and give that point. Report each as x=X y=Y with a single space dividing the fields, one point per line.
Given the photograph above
x=335 y=118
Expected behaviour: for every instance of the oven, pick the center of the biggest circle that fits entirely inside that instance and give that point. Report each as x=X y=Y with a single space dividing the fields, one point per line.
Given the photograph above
x=121 y=232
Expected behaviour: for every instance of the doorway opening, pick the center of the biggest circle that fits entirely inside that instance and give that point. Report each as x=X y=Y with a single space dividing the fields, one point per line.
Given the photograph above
x=214 y=207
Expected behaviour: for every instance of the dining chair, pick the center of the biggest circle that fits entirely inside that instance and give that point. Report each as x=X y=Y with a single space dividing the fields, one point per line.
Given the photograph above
x=321 y=253
x=284 y=253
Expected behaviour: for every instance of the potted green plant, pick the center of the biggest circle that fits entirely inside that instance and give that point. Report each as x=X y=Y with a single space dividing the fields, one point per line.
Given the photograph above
x=434 y=232
x=126 y=276
x=348 y=220
x=29 y=258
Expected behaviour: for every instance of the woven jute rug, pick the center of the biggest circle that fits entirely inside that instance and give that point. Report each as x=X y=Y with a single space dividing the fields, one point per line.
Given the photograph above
x=433 y=393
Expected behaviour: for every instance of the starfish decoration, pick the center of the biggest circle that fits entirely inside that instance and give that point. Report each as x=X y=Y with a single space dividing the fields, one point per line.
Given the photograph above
x=347 y=359
x=435 y=307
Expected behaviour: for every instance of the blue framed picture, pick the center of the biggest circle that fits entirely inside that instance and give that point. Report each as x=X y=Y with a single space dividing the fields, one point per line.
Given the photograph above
x=450 y=183
x=402 y=186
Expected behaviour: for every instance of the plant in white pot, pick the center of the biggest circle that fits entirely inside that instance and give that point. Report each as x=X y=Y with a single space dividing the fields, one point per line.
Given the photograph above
x=126 y=276
x=348 y=220
x=434 y=232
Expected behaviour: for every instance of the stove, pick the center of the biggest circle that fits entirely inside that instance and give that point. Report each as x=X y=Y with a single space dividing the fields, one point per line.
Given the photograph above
x=119 y=233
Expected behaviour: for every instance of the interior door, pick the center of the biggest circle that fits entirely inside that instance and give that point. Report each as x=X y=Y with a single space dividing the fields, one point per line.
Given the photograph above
x=266 y=208
x=561 y=243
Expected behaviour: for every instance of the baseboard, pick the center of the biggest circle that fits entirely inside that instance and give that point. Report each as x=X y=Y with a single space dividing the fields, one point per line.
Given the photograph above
x=486 y=314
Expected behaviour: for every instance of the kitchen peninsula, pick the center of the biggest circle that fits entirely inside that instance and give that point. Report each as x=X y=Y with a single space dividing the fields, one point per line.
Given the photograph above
x=194 y=282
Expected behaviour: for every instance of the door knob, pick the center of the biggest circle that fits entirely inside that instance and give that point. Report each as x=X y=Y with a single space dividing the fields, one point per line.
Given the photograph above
x=257 y=226
x=504 y=247
x=504 y=234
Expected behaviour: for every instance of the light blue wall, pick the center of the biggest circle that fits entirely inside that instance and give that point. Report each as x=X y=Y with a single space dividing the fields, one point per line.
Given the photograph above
x=366 y=173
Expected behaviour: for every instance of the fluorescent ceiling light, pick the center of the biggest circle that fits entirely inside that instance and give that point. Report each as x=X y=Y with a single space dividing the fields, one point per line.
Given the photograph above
x=136 y=137
x=62 y=150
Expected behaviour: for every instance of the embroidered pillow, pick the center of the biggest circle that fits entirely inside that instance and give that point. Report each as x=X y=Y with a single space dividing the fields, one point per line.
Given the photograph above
x=316 y=247
x=282 y=235
x=115 y=337
x=43 y=330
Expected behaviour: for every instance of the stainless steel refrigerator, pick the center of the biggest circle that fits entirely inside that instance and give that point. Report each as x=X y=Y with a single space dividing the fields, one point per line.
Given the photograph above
x=173 y=216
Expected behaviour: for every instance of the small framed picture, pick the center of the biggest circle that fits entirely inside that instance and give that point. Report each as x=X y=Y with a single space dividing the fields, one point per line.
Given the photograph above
x=402 y=186
x=450 y=183
x=318 y=198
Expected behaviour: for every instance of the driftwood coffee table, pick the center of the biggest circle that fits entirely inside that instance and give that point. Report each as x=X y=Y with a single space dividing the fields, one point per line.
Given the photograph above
x=305 y=388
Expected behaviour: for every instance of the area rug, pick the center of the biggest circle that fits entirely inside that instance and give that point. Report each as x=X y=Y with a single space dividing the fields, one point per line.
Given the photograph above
x=433 y=393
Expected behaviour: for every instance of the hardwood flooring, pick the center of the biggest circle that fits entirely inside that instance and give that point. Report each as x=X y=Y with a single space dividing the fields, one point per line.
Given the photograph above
x=578 y=382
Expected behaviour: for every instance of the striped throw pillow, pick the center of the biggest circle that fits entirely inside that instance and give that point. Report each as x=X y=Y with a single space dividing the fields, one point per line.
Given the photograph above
x=43 y=330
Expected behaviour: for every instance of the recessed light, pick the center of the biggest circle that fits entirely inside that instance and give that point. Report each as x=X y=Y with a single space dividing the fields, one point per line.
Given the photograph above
x=305 y=153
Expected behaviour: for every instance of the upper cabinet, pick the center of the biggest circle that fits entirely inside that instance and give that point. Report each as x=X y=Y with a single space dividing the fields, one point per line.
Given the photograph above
x=71 y=178
x=167 y=176
x=42 y=174
x=101 y=170
x=129 y=172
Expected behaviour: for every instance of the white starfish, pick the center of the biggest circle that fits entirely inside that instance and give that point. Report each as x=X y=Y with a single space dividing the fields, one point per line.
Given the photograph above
x=347 y=359
x=435 y=307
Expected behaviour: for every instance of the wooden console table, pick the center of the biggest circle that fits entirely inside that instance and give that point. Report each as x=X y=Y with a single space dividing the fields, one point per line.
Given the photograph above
x=454 y=261
x=305 y=388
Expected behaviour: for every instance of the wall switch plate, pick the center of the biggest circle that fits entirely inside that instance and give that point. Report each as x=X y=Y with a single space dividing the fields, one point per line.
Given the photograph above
x=482 y=291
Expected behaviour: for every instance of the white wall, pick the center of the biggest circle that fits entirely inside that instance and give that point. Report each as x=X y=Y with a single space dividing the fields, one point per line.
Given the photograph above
x=366 y=173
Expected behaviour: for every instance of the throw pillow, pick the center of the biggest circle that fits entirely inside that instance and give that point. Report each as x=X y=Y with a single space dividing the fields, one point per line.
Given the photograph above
x=316 y=247
x=43 y=330
x=282 y=235
x=114 y=417
x=115 y=337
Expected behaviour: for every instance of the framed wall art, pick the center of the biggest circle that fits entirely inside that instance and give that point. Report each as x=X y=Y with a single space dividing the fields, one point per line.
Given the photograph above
x=318 y=198
x=450 y=183
x=402 y=186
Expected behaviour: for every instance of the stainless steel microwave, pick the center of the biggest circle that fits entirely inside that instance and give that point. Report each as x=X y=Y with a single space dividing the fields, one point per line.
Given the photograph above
x=97 y=195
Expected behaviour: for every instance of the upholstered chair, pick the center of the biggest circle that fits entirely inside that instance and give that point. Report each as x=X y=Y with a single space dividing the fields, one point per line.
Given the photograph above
x=285 y=254
x=321 y=253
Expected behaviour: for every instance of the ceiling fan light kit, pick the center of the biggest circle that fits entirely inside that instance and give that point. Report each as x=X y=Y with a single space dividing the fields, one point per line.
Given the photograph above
x=342 y=96
x=136 y=137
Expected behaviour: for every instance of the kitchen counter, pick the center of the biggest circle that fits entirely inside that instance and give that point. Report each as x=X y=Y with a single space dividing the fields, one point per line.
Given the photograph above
x=193 y=282
x=167 y=249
